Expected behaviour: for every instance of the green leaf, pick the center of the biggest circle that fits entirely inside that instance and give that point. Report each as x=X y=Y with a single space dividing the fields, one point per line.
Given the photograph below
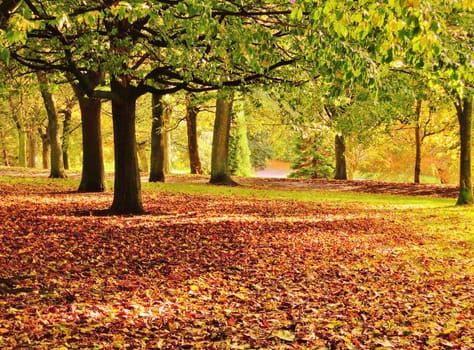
x=297 y=13
x=284 y=334
x=5 y=55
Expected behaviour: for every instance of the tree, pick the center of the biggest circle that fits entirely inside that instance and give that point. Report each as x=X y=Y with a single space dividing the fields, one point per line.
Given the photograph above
x=192 y=111
x=464 y=114
x=340 y=151
x=67 y=129
x=159 y=158
x=314 y=159
x=425 y=126
x=56 y=165
x=19 y=120
x=93 y=174
x=239 y=150
x=454 y=70
x=220 y=172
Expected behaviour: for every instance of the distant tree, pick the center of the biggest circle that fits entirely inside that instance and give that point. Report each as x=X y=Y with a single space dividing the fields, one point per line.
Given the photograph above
x=192 y=110
x=17 y=114
x=56 y=156
x=159 y=157
x=239 y=150
x=260 y=149
x=340 y=151
x=67 y=129
x=313 y=156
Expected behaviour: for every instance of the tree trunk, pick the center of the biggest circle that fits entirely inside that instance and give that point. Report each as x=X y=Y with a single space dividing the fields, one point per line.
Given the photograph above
x=191 y=127
x=220 y=173
x=160 y=140
x=142 y=157
x=65 y=137
x=93 y=174
x=20 y=127
x=158 y=143
x=6 y=162
x=57 y=166
x=21 y=146
x=464 y=113
x=341 y=166
x=31 y=148
x=418 y=142
x=127 y=187
x=45 y=145
x=166 y=119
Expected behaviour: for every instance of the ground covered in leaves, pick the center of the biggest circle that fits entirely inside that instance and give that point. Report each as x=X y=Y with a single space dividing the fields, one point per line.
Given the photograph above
x=215 y=272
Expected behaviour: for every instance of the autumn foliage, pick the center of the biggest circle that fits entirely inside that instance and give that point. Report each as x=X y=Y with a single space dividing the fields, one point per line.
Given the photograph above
x=223 y=272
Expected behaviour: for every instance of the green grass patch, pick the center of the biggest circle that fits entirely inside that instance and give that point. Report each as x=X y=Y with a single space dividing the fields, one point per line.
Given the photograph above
x=318 y=196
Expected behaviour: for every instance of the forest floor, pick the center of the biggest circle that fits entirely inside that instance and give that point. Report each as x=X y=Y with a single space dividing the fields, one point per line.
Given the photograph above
x=235 y=268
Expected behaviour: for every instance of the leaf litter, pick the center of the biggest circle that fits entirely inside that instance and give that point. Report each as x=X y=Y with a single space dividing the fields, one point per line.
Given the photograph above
x=208 y=272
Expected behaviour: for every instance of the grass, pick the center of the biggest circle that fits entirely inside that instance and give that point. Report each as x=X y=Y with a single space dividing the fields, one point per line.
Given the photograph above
x=327 y=197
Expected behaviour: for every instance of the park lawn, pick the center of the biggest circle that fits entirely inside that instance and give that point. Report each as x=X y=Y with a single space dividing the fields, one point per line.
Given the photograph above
x=212 y=267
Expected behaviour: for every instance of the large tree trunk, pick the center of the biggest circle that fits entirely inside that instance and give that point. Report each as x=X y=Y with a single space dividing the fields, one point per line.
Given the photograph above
x=341 y=166
x=93 y=174
x=418 y=142
x=191 y=127
x=127 y=187
x=220 y=173
x=57 y=166
x=464 y=113
x=158 y=142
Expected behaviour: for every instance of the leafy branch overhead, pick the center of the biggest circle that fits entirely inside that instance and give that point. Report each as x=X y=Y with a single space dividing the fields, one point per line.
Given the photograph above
x=195 y=45
x=163 y=46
